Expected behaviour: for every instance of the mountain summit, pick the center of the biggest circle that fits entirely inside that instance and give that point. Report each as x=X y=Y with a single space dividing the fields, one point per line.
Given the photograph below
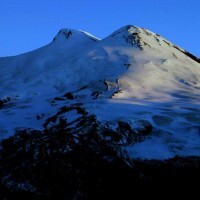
x=75 y=35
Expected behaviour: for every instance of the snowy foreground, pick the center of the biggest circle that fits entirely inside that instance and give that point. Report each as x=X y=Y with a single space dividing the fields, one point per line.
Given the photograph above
x=133 y=77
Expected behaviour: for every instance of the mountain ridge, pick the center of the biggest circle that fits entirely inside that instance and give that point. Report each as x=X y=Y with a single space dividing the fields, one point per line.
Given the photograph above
x=65 y=31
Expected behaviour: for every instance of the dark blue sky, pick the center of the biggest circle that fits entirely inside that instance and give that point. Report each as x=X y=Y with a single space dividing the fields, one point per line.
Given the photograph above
x=27 y=25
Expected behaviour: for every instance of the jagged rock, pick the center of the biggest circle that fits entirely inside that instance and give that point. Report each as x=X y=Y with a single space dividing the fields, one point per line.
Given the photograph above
x=69 y=95
x=51 y=164
x=142 y=127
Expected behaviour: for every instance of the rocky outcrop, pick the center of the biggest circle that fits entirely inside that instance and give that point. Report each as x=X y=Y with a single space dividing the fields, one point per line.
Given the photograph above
x=85 y=162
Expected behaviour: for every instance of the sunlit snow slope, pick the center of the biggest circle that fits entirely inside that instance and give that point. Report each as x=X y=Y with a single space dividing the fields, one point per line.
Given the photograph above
x=131 y=75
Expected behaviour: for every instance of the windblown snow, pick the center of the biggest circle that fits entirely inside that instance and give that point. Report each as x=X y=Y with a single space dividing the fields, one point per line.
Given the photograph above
x=134 y=74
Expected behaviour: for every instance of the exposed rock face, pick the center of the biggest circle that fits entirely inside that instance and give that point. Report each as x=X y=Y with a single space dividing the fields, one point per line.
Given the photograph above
x=86 y=162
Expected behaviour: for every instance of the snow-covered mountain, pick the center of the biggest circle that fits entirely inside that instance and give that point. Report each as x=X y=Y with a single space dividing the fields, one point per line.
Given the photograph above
x=84 y=118
x=133 y=77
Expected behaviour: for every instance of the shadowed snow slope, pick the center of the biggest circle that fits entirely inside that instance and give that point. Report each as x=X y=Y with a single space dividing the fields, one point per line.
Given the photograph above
x=132 y=75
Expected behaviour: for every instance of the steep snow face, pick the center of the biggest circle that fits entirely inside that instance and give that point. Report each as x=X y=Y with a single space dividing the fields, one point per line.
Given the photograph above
x=133 y=74
x=157 y=69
